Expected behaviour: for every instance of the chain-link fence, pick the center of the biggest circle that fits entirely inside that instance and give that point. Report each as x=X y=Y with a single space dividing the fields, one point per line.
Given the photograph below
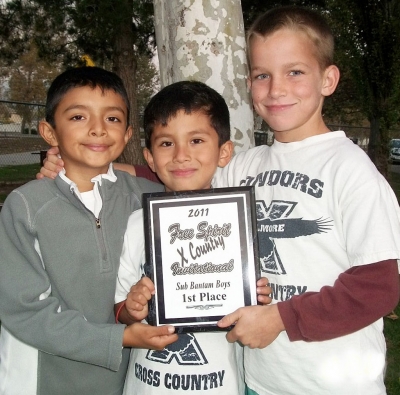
x=20 y=142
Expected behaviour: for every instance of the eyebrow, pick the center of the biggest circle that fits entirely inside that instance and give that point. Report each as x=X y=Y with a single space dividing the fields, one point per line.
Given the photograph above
x=83 y=107
x=172 y=133
x=261 y=69
x=295 y=64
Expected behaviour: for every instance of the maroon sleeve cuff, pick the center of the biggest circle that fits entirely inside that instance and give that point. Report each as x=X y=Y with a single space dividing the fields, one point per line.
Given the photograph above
x=144 y=171
x=359 y=297
x=289 y=317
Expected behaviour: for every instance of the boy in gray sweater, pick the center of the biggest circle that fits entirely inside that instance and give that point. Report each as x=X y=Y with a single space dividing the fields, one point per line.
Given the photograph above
x=60 y=244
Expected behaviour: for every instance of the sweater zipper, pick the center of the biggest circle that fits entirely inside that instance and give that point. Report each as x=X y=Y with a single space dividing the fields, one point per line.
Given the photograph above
x=101 y=238
x=100 y=231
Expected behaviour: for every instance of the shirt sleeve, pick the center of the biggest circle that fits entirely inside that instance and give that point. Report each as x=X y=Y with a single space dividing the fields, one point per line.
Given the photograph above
x=132 y=257
x=28 y=308
x=359 y=297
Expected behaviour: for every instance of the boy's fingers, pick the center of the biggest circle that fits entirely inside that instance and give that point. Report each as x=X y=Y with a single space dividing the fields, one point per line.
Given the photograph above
x=165 y=330
x=140 y=293
x=228 y=320
x=45 y=172
x=265 y=291
x=52 y=165
x=264 y=299
x=148 y=283
x=164 y=335
x=165 y=340
x=53 y=151
x=262 y=282
x=53 y=161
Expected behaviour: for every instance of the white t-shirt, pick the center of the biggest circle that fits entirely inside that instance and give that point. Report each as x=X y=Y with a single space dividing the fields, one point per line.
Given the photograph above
x=199 y=363
x=322 y=208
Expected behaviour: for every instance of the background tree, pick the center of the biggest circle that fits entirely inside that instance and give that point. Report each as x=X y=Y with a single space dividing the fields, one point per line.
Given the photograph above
x=28 y=82
x=204 y=40
x=368 y=33
x=112 y=32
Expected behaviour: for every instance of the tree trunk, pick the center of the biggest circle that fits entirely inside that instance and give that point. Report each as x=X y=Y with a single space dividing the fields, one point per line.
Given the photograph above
x=205 y=41
x=125 y=66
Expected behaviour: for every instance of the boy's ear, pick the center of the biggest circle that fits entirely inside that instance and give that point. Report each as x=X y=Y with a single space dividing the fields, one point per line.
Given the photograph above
x=48 y=134
x=225 y=153
x=128 y=134
x=149 y=158
x=331 y=79
x=248 y=83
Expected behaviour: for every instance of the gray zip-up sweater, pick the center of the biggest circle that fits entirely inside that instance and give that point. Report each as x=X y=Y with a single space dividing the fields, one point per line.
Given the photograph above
x=62 y=302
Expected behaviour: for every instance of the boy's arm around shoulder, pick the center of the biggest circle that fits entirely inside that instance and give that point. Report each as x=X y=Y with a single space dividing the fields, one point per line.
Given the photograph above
x=139 y=185
x=27 y=305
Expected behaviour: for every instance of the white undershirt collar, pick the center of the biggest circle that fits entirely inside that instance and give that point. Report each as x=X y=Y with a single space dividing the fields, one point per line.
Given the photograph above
x=91 y=199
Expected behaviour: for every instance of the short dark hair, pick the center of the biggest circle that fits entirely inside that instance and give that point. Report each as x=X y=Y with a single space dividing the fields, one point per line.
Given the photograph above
x=93 y=77
x=298 y=19
x=189 y=96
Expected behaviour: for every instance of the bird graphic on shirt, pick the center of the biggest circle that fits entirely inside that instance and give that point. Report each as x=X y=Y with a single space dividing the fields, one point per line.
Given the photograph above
x=273 y=222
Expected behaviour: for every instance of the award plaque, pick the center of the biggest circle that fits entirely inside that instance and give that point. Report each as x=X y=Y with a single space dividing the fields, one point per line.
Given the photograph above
x=201 y=254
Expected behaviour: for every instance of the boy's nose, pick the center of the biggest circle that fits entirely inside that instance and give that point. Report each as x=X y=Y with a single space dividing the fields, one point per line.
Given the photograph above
x=97 y=128
x=181 y=154
x=276 y=88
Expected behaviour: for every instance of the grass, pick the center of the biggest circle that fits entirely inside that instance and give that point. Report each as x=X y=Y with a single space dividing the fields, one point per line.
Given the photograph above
x=392 y=335
x=13 y=176
x=21 y=174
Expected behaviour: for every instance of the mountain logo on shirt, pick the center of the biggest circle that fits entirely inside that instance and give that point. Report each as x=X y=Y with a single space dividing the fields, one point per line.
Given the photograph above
x=186 y=351
x=273 y=222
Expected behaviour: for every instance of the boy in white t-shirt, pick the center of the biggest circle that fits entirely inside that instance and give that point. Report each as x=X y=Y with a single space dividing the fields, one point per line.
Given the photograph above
x=187 y=133
x=328 y=226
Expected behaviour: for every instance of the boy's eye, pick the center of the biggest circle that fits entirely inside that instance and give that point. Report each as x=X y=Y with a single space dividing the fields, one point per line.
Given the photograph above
x=166 y=144
x=261 y=76
x=77 y=117
x=197 y=141
x=113 y=119
x=296 y=72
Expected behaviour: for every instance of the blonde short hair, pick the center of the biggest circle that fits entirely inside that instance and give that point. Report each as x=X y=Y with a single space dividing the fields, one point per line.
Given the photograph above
x=301 y=20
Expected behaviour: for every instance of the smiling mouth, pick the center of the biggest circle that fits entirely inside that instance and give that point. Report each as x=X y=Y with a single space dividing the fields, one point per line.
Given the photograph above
x=97 y=147
x=183 y=172
x=278 y=107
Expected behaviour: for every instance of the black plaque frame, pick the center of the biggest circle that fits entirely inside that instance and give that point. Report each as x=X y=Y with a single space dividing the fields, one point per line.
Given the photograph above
x=234 y=207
